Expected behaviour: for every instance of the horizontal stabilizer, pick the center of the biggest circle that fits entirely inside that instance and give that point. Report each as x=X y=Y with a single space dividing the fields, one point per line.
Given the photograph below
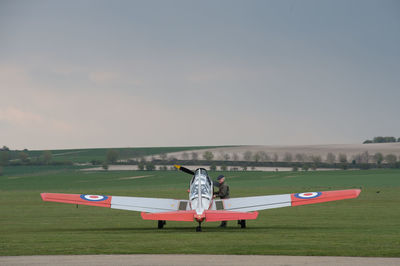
x=214 y=216
x=182 y=216
x=210 y=216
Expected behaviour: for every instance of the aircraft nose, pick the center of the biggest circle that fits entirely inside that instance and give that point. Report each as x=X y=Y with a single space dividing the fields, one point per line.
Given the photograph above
x=199 y=217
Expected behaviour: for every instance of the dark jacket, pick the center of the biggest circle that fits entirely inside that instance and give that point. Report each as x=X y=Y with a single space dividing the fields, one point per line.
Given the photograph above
x=223 y=191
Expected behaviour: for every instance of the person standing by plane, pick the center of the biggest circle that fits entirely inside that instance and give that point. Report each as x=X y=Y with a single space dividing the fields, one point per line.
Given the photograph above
x=222 y=193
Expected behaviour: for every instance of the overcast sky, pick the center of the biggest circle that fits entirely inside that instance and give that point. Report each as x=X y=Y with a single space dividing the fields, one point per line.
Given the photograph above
x=77 y=74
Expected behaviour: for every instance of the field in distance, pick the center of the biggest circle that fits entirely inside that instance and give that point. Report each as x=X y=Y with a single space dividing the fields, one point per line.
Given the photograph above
x=87 y=155
x=366 y=226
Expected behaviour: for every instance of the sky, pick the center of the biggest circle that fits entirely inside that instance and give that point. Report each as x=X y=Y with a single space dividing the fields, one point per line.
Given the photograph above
x=89 y=74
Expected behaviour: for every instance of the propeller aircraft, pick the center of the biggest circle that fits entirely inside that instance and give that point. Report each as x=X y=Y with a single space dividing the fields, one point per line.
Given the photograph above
x=201 y=205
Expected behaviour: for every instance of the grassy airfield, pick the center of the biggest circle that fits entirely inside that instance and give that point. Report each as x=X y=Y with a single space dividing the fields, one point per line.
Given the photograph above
x=366 y=226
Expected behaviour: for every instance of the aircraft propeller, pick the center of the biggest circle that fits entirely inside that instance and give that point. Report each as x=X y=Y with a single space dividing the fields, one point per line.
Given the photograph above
x=184 y=169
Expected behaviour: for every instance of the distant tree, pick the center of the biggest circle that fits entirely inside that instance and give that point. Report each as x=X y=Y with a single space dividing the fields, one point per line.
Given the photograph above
x=368 y=141
x=235 y=156
x=378 y=158
x=185 y=156
x=330 y=158
x=213 y=167
x=150 y=166
x=257 y=156
x=105 y=166
x=390 y=139
x=287 y=157
x=361 y=158
x=247 y=155
x=275 y=157
x=244 y=168
x=112 y=156
x=4 y=157
x=305 y=167
x=208 y=156
x=391 y=159
x=398 y=140
x=5 y=148
x=1 y=170
x=47 y=156
x=23 y=156
x=383 y=139
x=295 y=169
x=163 y=156
x=342 y=158
x=300 y=157
x=343 y=161
x=316 y=159
x=195 y=156
x=224 y=167
x=142 y=164
x=163 y=168
x=365 y=157
x=226 y=157
x=264 y=156
x=95 y=162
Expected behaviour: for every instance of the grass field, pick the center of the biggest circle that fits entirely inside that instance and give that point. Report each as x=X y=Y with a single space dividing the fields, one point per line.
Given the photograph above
x=366 y=226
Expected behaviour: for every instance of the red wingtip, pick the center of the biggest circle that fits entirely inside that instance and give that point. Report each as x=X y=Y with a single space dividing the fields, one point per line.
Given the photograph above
x=43 y=195
x=357 y=191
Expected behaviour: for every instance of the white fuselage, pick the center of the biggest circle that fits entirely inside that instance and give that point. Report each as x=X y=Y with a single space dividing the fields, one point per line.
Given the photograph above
x=201 y=191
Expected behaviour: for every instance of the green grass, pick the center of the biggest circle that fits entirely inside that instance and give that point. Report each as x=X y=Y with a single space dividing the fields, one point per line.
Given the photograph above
x=86 y=155
x=366 y=226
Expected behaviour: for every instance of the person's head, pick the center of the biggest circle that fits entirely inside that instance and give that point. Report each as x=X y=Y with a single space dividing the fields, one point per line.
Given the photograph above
x=221 y=179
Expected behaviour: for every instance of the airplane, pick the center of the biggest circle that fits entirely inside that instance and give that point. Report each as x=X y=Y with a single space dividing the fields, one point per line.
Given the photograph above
x=201 y=206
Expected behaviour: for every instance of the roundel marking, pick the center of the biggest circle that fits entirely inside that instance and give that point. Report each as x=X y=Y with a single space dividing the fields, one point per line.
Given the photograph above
x=93 y=197
x=307 y=195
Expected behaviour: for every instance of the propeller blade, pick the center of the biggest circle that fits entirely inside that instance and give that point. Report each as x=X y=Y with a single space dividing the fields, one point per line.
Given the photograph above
x=184 y=169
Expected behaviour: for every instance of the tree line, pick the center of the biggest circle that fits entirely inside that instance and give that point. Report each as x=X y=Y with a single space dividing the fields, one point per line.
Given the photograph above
x=221 y=160
x=381 y=139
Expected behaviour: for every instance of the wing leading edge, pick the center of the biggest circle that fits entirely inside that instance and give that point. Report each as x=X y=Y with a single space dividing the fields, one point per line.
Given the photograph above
x=248 y=204
x=152 y=205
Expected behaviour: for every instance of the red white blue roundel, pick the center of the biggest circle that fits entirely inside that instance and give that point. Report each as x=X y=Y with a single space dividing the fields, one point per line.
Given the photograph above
x=94 y=197
x=307 y=195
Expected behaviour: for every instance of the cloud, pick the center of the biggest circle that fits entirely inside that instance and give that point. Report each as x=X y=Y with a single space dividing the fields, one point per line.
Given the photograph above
x=102 y=77
x=19 y=117
x=13 y=77
x=28 y=120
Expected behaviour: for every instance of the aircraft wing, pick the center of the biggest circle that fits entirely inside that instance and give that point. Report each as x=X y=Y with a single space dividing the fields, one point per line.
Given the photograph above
x=151 y=205
x=248 y=204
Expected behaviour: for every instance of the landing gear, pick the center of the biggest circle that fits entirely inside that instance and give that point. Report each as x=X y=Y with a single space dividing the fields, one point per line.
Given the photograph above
x=161 y=224
x=198 y=228
x=242 y=223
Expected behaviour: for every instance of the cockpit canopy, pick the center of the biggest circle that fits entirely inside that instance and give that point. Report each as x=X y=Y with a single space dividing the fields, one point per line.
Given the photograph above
x=201 y=177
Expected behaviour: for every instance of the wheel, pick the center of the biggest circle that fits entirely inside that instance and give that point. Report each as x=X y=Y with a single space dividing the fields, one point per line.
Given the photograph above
x=198 y=229
x=161 y=224
x=242 y=223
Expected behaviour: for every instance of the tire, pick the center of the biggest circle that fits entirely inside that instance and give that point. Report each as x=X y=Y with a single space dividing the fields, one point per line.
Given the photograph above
x=242 y=223
x=161 y=224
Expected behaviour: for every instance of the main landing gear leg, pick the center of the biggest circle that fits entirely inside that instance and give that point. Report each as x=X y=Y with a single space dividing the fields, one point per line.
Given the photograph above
x=198 y=228
x=161 y=224
x=242 y=223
